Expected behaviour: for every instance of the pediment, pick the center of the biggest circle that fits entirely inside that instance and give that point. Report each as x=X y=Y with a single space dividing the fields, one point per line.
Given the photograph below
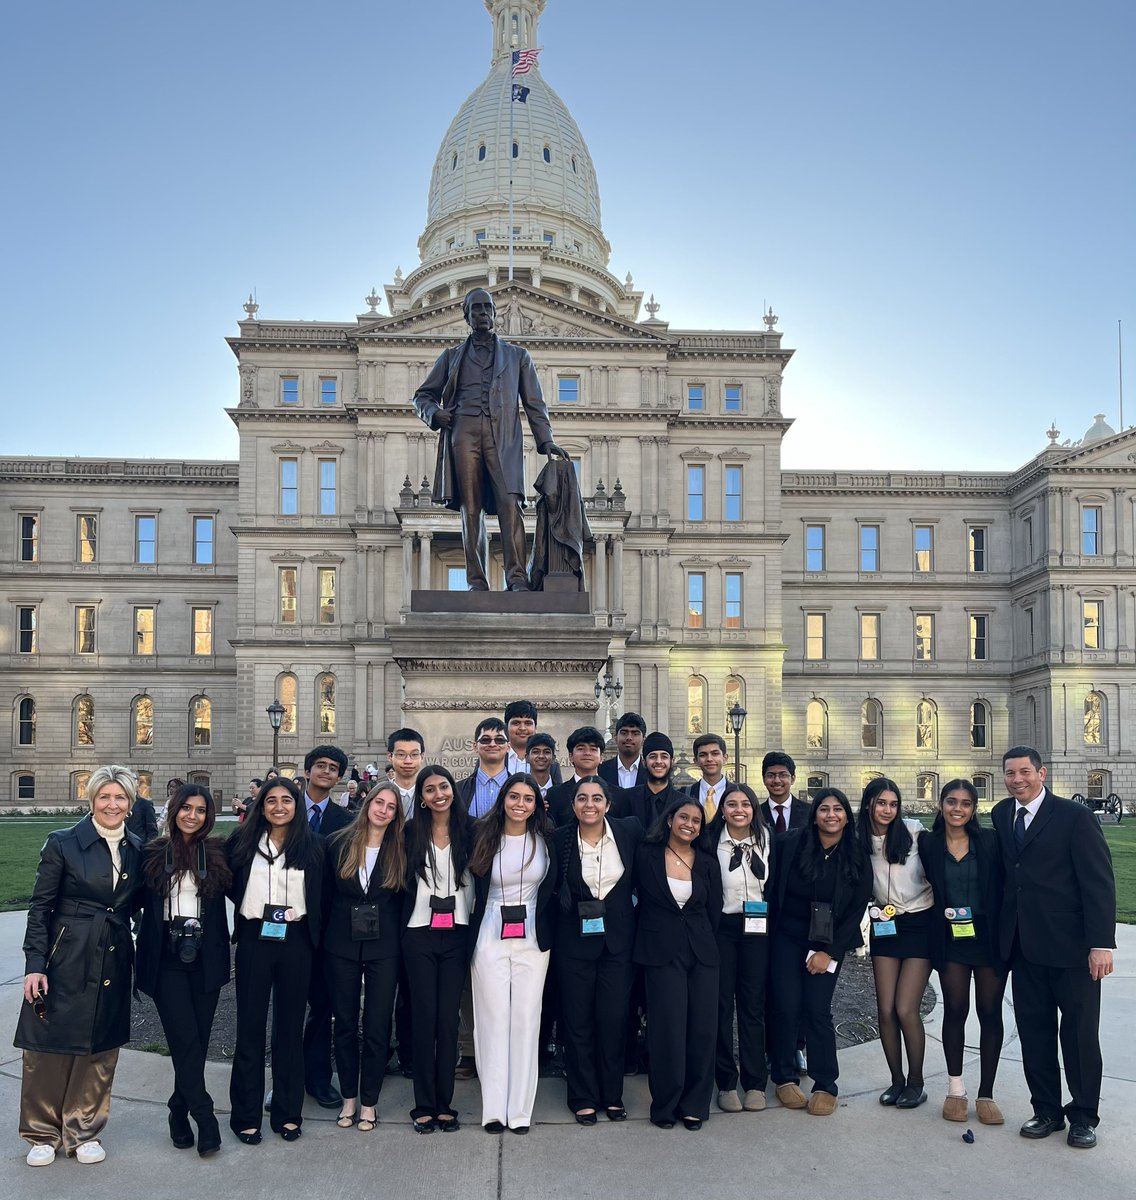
x=1113 y=453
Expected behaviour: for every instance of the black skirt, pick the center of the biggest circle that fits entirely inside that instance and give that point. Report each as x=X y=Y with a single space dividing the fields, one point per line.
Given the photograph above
x=971 y=952
x=912 y=937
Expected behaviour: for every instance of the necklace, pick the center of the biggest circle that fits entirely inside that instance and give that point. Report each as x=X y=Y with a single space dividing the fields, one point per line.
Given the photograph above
x=688 y=865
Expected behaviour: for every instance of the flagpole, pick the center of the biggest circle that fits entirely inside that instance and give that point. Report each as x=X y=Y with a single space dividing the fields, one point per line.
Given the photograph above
x=509 y=152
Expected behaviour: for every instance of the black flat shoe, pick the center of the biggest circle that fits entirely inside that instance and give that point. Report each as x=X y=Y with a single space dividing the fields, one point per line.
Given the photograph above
x=208 y=1136
x=583 y=1118
x=520 y=1129
x=181 y=1132
x=326 y=1097
x=494 y=1127
x=662 y=1124
x=291 y=1135
x=249 y=1139
x=617 y=1114
x=1081 y=1136
x=1041 y=1127
x=911 y=1096
x=694 y=1124
x=452 y=1125
x=424 y=1125
x=891 y=1097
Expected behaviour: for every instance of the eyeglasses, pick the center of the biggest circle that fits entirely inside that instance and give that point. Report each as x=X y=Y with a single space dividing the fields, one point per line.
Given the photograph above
x=492 y=741
x=778 y=775
x=406 y=755
x=39 y=1006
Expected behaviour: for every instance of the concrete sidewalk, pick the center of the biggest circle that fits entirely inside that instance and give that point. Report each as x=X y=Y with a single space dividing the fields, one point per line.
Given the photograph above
x=854 y=1153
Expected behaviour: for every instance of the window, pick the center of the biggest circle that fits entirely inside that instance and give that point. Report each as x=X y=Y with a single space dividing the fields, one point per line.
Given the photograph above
x=695 y=397
x=325 y=578
x=816 y=725
x=1027 y=533
x=26 y=722
x=979 y=629
x=202 y=631
x=481 y=152
x=79 y=781
x=87 y=550
x=1099 y=785
x=456 y=579
x=869 y=547
x=924 y=547
x=479 y=236
x=25 y=787
x=286 y=690
x=1031 y=720
x=696 y=705
x=732 y=509
x=869 y=636
x=815 y=630
x=516 y=150
x=85 y=629
x=926 y=788
x=1094 y=713
x=815 y=783
x=327 y=391
x=143 y=631
x=327 y=487
x=568 y=389
x=1029 y=630
x=289 y=487
x=454 y=162
x=734 y=693
x=695 y=600
x=979 y=725
x=871 y=725
x=289 y=390
x=549 y=238
x=28 y=537
x=926 y=721
x=201 y=722
x=142 y=722
x=203 y=540
x=1091 y=529
x=27 y=629
x=733 y=396
x=547 y=154
x=327 y=704
x=145 y=539
x=1091 y=623
x=983 y=785
x=287 y=595
x=814 y=547
x=976 y=548
x=145 y=784
x=574 y=165
x=733 y=600
x=84 y=721
x=924 y=637
x=695 y=493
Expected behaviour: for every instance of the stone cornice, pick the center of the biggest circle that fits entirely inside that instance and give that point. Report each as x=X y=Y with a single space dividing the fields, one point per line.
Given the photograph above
x=892 y=483
x=169 y=473
x=293 y=415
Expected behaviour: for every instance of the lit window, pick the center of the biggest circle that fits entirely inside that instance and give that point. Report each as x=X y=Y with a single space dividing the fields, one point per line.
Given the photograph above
x=201 y=717
x=79 y=781
x=85 y=629
x=979 y=630
x=734 y=693
x=696 y=705
x=979 y=726
x=88 y=548
x=143 y=631
x=327 y=704
x=871 y=725
x=290 y=390
x=733 y=399
x=733 y=497
x=814 y=636
x=925 y=722
x=456 y=579
x=1099 y=782
x=695 y=397
x=983 y=785
x=1094 y=712
x=286 y=691
x=926 y=788
x=568 y=389
x=289 y=487
x=924 y=546
x=145 y=784
x=326 y=580
x=1091 y=623
x=869 y=636
x=327 y=391
x=695 y=599
x=25 y=787
x=145 y=539
x=816 y=725
x=976 y=548
x=695 y=493
x=29 y=537
x=733 y=600
x=203 y=540
x=1091 y=529
x=869 y=547
x=26 y=722
x=924 y=636
x=202 y=631
x=327 y=487
x=27 y=629
x=84 y=721
x=142 y=725
x=287 y=595
x=814 y=547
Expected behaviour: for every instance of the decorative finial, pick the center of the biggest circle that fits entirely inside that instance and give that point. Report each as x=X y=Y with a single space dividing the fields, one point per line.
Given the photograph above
x=251 y=307
x=398 y=277
x=652 y=306
x=770 y=319
x=406 y=494
x=373 y=300
x=618 y=499
x=627 y=284
x=1053 y=433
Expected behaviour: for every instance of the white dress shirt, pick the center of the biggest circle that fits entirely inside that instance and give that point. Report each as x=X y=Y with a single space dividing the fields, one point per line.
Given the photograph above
x=600 y=865
x=270 y=882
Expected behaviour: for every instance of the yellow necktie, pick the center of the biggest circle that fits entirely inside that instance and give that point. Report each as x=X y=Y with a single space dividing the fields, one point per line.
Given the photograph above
x=710 y=808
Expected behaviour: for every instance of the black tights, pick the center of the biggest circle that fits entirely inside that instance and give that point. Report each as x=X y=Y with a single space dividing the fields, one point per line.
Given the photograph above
x=989 y=987
x=900 y=984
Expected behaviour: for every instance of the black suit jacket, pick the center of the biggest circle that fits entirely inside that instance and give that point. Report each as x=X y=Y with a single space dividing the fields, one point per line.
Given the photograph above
x=848 y=903
x=545 y=909
x=340 y=895
x=1060 y=894
x=333 y=819
x=663 y=926
x=143 y=819
x=313 y=892
x=991 y=879
x=798 y=813
x=609 y=772
x=213 y=954
x=649 y=806
x=561 y=812
x=619 y=914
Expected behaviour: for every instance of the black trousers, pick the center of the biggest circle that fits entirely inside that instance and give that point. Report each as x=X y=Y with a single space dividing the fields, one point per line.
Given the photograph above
x=278 y=971
x=404 y=1019
x=186 y=1011
x=593 y=1023
x=801 y=1002
x=682 y=1024
x=436 y=966
x=317 y=1029
x=741 y=986
x=355 y=983
x=1040 y=994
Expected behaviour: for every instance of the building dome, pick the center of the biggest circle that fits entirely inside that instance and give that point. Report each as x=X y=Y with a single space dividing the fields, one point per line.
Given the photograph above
x=1098 y=431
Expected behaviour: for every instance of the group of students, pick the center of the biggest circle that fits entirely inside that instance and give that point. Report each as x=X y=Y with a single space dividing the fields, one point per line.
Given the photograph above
x=706 y=907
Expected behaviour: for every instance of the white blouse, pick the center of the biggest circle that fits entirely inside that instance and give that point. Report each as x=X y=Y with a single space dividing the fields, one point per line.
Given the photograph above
x=741 y=884
x=600 y=865
x=272 y=883
x=518 y=869
x=442 y=883
x=371 y=856
x=183 y=901
x=681 y=890
x=901 y=884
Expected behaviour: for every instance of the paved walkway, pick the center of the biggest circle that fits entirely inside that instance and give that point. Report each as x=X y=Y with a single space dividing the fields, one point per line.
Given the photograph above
x=856 y=1153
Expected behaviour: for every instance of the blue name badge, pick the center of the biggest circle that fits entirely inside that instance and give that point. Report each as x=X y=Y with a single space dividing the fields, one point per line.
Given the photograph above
x=883 y=929
x=590 y=926
x=273 y=926
x=755 y=916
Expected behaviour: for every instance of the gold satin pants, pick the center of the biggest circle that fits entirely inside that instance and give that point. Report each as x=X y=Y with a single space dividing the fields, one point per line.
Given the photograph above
x=65 y=1098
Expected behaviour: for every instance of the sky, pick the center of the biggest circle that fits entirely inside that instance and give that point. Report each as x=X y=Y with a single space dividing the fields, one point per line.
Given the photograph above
x=937 y=200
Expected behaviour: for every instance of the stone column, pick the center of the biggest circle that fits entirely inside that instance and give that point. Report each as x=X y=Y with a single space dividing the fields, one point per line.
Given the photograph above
x=661 y=474
x=424 y=540
x=599 y=574
x=361 y=555
x=360 y=470
x=617 y=572
x=665 y=587
x=407 y=567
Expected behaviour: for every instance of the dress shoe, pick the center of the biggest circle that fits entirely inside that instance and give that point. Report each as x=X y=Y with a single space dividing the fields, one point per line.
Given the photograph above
x=181 y=1133
x=520 y=1129
x=754 y=1100
x=663 y=1124
x=1081 y=1136
x=326 y=1096
x=912 y=1096
x=957 y=1108
x=291 y=1133
x=424 y=1125
x=208 y=1136
x=988 y=1112
x=449 y=1124
x=586 y=1118
x=822 y=1104
x=694 y=1124
x=889 y=1098
x=791 y=1096
x=1041 y=1127
x=616 y=1113
x=728 y=1101
x=250 y=1137
x=802 y=1062
x=494 y=1127
x=519 y=587
x=466 y=1067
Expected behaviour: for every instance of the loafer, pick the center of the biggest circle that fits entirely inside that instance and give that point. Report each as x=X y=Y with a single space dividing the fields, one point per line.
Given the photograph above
x=754 y=1100
x=911 y=1097
x=791 y=1096
x=617 y=1113
x=1081 y=1136
x=821 y=1104
x=694 y=1124
x=450 y=1126
x=520 y=1129
x=326 y=1097
x=424 y=1125
x=40 y=1156
x=89 y=1153
x=988 y=1112
x=891 y=1097
x=662 y=1124
x=249 y=1139
x=583 y=1118
x=957 y=1108
x=1041 y=1127
x=729 y=1102
x=494 y=1127
x=291 y=1135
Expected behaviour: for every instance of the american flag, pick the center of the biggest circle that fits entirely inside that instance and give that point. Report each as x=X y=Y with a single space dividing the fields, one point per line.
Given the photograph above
x=524 y=61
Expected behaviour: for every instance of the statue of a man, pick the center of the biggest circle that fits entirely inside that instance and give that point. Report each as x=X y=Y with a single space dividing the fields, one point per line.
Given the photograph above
x=470 y=397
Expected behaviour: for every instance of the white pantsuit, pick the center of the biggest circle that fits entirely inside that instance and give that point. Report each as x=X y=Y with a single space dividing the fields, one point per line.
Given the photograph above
x=508 y=980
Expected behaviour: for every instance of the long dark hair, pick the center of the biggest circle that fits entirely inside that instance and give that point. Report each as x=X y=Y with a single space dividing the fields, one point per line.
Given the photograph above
x=349 y=844
x=301 y=847
x=489 y=832
x=953 y=785
x=757 y=821
x=850 y=858
x=173 y=854
x=420 y=843
x=897 y=837
x=661 y=830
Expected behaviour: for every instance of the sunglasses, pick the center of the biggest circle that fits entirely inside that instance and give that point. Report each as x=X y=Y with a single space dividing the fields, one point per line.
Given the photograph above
x=39 y=1006
x=492 y=741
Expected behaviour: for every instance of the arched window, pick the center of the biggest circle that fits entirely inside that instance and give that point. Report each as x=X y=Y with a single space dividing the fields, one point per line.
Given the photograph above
x=984 y=786
x=927 y=788
x=145 y=784
x=25 y=721
x=1094 y=719
x=1100 y=784
x=454 y=162
x=871 y=725
x=481 y=152
x=201 y=721
x=815 y=783
x=979 y=725
x=84 y=721
x=142 y=721
x=547 y=154
x=1031 y=720
x=696 y=705
x=516 y=150
x=926 y=725
x=734 y=693
x=327 y=704
x=286 y=692
x=816 y=725
x=574 y=171
x=79 y=781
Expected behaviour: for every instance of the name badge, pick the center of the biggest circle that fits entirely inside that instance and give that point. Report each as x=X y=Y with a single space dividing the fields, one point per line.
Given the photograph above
x=883 y=929
x=513 y=921
x=961 y=921
x=442 y=909
x=755 y=916
x=274 y=923
x=591 y=914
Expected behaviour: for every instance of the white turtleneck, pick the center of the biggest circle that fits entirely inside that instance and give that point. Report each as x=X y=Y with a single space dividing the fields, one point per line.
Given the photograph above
x=113 y=839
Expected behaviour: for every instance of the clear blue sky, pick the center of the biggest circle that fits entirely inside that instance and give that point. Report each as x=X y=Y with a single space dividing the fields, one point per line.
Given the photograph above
x=937 y=200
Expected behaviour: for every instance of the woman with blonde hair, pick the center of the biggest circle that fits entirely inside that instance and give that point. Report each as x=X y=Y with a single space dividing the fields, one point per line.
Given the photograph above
x=78 y=959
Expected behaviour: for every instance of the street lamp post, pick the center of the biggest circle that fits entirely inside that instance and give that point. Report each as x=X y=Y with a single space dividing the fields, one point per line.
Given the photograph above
x=609 y=689
x=275 y=718
x=737 y=716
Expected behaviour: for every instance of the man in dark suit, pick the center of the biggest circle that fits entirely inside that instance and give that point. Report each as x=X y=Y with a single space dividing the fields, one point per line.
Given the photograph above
x=585 y=749
x=521 y=720
x=471 y=395
x=650 y=801
x=627 y=769
x=781 y=811
x=1057 y=931
x=143 y=819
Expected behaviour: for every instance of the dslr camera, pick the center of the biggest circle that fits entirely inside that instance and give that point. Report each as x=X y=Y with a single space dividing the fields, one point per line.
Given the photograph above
x=185 y=938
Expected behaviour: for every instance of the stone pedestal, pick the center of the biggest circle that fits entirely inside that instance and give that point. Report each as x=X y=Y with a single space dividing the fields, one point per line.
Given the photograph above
x=460 y=666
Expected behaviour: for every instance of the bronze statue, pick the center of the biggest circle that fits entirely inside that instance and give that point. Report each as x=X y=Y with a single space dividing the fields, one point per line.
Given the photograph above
x=470 y=397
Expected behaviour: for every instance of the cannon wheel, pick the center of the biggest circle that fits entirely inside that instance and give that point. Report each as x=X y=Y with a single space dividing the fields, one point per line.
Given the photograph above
x=1113 y=807
x=1079 y=798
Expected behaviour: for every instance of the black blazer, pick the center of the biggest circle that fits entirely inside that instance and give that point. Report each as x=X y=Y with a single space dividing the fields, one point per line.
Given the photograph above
x=798 y=813
x=662 y=924
x=340 y=895
x=609 y=772
x=545 y=909
x=619 y=914
x=848 y=903
x=561 y=812
x=313 y=892
x=333 y=819
x=648 y=806
x=1060 y=893
x=991 y=878
x=213 y=953
x=143 y=819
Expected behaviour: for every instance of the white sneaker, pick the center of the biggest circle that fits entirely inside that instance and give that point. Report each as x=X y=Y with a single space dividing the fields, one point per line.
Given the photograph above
x=41 y=1156
x=90 y=1152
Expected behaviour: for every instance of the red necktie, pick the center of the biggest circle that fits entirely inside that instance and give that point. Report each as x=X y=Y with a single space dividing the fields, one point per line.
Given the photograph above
x=779 y=824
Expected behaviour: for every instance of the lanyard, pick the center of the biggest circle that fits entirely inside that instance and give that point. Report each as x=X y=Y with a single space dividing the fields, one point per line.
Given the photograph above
x=599 y=865
x=271 y=859
x=501 y=869
x=434 y=872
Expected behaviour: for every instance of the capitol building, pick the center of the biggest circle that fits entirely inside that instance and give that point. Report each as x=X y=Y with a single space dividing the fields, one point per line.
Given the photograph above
x=912 y=623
